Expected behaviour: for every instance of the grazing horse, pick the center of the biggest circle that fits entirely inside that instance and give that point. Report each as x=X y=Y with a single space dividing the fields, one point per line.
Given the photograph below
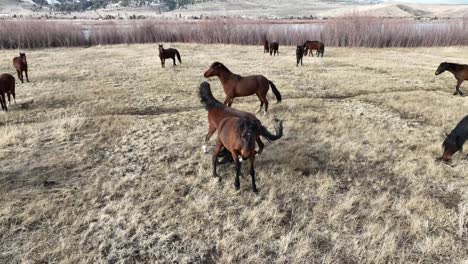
x=218 y=111
x=274 y=48
x=238 y=136
x=299 y=54
x=168 y=54
x=21 y=65
x=460 y=71
x=455 y=140
x=7 y=85
x=310 y=46
x=266 y=47
x=235 y=85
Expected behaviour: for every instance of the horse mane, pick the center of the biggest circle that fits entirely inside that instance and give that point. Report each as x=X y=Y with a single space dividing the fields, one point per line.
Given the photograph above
x=207 y=98
x=220 y=65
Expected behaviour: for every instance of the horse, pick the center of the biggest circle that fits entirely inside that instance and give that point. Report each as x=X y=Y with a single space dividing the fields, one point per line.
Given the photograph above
x=235 y=85
x=238 y=136
x=299 y=54
x=168 y=54
x=266 y=47
x=460 y=71
x=21 y=65
x=274 y=48
x=218 y=111
x=7 y=82
x=310 y=46
x=455 y=140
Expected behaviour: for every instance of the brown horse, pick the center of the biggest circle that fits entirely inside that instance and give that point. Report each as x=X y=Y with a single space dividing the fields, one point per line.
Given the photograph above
x=235 y=85
x=266 y=47
x=460 y=71
x=238 y=136
x=274 y=48
x=21 y=65
x=310 y=46
x=218 y=111
x=7 y=85
x=168 y=54
x=299 y=54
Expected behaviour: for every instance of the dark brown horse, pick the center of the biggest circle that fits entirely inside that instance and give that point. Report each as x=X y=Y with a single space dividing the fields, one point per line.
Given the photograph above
x=455 y=140
x=299 y=54
x=21 y=65
x=460 y=71
x=266 y=47
x=274 y=48
x=235 y=85
x=218 y=111
x=7 y=85
x=311 y=45
x=168 y=54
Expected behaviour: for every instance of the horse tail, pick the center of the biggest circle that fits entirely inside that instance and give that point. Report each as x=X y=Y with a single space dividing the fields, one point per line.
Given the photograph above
x=207 y=98
x=269 y=136
x=178 y=55
x=275 y=91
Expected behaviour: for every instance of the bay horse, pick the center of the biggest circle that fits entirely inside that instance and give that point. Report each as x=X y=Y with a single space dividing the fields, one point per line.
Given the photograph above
x=460 y=71
x=455 y=140
x=238 y=136
x=168 y=54
x=218 y=111
x=311 y=45
x=7 y=85
x=299 y=54
x=21 y=65
x=266 y=47
x=235 y=85
x=274 y=48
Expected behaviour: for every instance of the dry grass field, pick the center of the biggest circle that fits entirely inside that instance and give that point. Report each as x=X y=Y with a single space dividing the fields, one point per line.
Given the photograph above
x=100 y=160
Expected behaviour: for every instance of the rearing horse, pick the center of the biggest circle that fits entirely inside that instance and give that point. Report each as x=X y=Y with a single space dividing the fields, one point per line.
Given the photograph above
x=235 y=85
x=218 y=111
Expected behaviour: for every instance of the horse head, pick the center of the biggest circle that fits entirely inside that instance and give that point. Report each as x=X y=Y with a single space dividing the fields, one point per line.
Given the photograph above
x=23 y=57
x=442 y=67
x=214 y=70
x=451 y=145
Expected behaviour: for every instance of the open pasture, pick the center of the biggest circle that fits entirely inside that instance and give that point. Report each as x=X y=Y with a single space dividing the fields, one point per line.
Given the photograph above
x=101 y=161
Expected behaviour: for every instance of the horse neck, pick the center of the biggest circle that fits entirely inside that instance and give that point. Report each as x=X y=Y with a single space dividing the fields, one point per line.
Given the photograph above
x=225 y=75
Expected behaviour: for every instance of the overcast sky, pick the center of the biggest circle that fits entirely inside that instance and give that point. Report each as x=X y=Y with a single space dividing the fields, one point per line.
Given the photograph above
x=433 y=1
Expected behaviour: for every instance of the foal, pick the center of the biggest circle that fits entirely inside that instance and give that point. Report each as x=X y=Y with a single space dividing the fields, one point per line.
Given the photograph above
x=299 y=54
x=274 y=48
x=21 y=65
x=455 y=140
x=235 y=85
x=460 y=71
x=168 y=54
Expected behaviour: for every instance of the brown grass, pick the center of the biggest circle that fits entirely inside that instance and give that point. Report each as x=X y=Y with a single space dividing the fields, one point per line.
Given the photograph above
x=349 y=31
x=100 y=160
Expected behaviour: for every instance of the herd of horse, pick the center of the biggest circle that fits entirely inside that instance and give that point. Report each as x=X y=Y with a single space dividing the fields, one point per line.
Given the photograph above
x=238 y=131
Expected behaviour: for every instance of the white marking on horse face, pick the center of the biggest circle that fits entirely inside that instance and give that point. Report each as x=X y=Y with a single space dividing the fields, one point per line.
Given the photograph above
x=204 y=149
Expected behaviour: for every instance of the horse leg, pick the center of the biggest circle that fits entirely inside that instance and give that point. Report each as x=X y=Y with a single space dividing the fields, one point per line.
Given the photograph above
x=9 y=99
x=214 y=159
x=228 y=101
x=26 y=73
x=252 y=172
x=238 y=167
x=261 y=103
x=211 y=130
x=459 y=82
x=173 y=59
x=20 y=76
x=265 y=100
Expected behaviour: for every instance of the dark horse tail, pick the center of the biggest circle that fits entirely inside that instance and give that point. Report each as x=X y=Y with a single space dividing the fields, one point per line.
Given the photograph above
x=279 y=132
x=207 y=98
x=275 y=91
x=178 y=55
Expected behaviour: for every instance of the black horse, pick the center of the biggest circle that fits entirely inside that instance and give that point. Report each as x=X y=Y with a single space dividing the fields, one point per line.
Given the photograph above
x=299 y=54
x=455 y=140
x=274 y=48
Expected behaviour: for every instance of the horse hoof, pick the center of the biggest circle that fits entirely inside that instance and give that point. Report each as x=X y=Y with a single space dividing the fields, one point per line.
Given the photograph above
x=237 y=187
x=255 y=190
